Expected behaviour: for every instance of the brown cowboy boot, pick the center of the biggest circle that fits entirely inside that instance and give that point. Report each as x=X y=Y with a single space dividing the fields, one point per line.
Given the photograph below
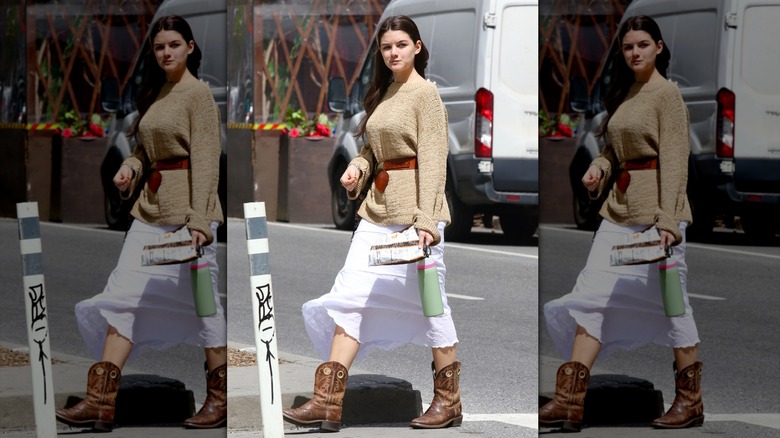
x=97 y=408
x=330 y=384
x=688 y=408
x=566 y=409
x=445 y=409
x=214 y=411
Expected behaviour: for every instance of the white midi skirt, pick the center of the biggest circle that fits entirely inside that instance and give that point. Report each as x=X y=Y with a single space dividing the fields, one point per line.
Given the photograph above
x=621 y=306
x=152 y=306
x=379 y=306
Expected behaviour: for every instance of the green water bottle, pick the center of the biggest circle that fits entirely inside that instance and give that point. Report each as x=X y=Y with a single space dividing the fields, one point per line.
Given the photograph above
x=202 y=290
x=430 y=291
x=671 y=288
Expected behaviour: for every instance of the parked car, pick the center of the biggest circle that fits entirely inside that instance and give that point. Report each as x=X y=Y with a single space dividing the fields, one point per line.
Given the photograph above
x=483 y=59
x=207 y=18
x=727 y=71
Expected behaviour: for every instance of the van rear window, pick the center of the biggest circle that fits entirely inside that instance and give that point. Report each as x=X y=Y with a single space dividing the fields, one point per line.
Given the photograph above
x=760 y=49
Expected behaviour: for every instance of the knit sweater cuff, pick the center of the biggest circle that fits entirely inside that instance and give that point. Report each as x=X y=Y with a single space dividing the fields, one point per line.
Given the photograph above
x=134 y=164
x=198 y=223
x=667 y=223
x=362 y=164
x=606 y=171
x=425 y=223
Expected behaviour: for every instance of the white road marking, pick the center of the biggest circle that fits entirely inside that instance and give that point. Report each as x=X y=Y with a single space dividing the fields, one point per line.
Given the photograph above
x=447 y=244
x=770 y=420
x=530 y=421
x=465 y=297
x=706 y=297
x=687 y=244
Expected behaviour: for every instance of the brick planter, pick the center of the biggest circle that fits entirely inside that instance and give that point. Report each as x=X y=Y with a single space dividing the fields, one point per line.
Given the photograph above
x=13 y=178
x=304 y=192
x=556 y=198
x=81 y=190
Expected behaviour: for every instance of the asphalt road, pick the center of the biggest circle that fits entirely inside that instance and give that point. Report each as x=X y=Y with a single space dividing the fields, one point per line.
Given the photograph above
x=732 y=284
x=492 y=290
x=77 y=261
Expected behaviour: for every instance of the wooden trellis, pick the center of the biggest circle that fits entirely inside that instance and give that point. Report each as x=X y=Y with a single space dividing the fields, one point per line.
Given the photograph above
x=70 y=46
x=562 y=45
x=297 y=50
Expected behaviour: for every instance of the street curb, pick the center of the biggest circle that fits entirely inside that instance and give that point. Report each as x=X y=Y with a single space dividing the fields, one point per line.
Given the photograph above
x=143 y=398
x=612 y=399
x=369 y=399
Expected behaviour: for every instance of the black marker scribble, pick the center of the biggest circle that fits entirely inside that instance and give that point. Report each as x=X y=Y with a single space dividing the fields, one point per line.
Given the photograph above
x=266 y=327
x=38 y=318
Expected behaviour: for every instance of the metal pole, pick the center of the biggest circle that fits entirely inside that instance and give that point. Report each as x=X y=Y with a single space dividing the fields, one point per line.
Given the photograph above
x=263 y=318
x=37 y=319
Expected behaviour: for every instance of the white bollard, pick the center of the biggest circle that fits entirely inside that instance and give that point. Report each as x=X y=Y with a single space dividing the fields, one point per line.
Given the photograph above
x=263 y=318
x=37 y=319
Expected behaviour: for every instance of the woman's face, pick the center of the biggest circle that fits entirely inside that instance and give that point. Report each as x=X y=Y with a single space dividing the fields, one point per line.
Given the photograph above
x=398 y=50
x=640 y=51
x=171 y=51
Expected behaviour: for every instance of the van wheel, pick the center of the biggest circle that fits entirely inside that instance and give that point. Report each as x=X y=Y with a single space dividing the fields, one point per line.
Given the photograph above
x=703 y=221
x=758 y=226
x=586 y=215
x=518 y=226
x=461 y=217
x=116 y=213
x=342 y=208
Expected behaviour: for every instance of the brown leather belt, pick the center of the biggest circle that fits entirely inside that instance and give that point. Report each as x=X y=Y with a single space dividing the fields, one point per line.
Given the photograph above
x=155 y=177
x=382 y=177
x=172 y=164
x=624 y=178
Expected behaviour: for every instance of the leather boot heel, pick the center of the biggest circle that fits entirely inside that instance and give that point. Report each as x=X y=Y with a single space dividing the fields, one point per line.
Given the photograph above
x=330 y=426
x=566 y=409
x=445 y=409
x=687 y=409
x=324 y=408
x=97 y=408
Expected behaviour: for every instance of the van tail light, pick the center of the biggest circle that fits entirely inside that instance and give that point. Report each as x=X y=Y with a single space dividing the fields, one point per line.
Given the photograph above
x=724 y=134
x=483 y=125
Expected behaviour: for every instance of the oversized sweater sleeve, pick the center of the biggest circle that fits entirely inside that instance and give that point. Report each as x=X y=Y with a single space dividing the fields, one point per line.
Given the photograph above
x=205 y=148
x=604 y=162
x=432 y=148
x=673 y=150
x=366 y=162
x=138 y=161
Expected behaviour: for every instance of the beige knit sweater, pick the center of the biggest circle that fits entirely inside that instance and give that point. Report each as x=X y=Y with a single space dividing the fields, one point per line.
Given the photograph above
x=652 y=121
x=182 y=122
x=409 y=121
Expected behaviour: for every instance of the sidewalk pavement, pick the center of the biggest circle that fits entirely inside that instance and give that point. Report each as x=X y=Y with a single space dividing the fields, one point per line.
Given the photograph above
x=375 y=405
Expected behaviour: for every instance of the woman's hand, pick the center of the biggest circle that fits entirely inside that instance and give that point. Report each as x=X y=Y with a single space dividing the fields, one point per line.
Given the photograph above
x=198 y=238
x=350 y=177
x=592 y=178
x=667 y=238
x=123 y=177
x=425 y=238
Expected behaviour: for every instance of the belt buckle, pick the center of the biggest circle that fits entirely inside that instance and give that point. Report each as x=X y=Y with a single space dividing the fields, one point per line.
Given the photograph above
x=623 y=180
x=381 y=179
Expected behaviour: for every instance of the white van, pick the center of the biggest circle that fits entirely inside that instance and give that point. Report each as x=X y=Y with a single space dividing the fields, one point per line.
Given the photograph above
x=726 y=61
x=483 y=59
x=208 y=21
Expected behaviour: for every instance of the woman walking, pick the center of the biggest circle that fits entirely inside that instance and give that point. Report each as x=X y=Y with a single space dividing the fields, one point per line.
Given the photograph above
x=178 y=132
x=647 y=132
x=373 y=307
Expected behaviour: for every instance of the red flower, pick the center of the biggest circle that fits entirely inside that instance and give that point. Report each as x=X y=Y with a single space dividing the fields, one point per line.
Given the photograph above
x=285 y=131
x=565 y=130
x=295 y=132
x=67 y=133
x=322 y=130
x=96 y=130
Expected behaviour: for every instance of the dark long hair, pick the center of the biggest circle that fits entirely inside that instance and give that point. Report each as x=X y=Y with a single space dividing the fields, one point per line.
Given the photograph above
x=153 y=76
x=622 y=77
x=382 y=75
